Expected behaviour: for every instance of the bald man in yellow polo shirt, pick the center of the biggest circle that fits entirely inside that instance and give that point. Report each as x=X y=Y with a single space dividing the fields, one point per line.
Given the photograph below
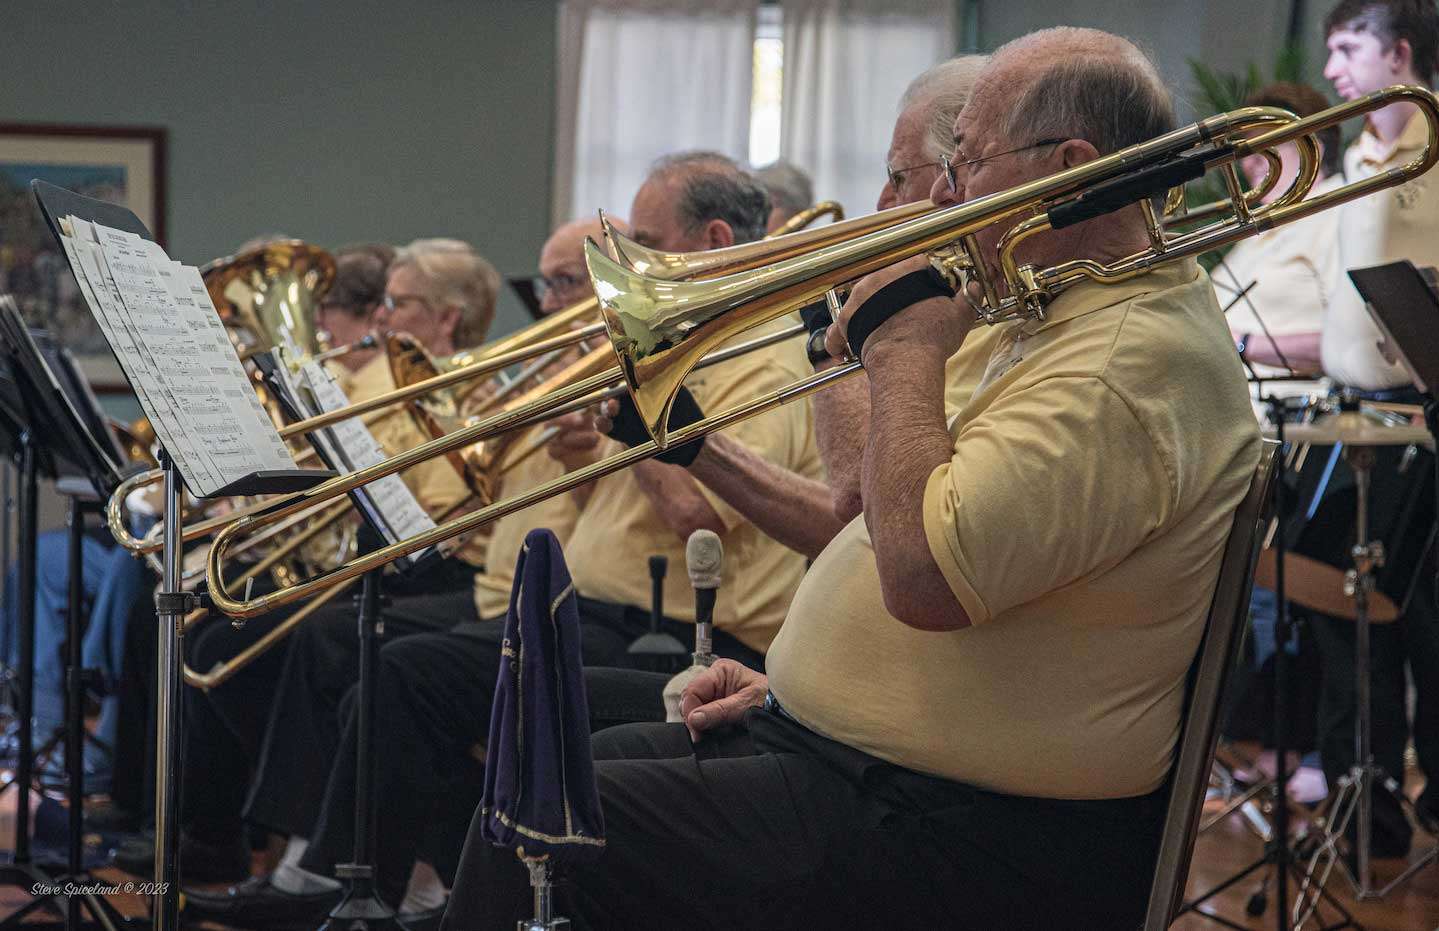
x=692 y=201
x=974 y=700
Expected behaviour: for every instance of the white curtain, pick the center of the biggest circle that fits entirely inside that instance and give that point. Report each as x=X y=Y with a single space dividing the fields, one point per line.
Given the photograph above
x=846 y=63
x=642 y=78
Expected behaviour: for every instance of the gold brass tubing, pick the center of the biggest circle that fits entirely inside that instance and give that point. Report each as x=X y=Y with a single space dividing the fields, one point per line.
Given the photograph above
x=678 y=265
x=807 y=216
x=321 y=518
x=555 y=324
x=223 y=672
x=499 y=423
x=486 y=366
x=477 y=519
x=571 y=397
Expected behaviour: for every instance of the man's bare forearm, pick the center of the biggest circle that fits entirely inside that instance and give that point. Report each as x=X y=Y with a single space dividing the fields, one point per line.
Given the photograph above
x=1299 y=351
x=841 y=423
x=908 y=440
x=676 y=497
x=789 y=507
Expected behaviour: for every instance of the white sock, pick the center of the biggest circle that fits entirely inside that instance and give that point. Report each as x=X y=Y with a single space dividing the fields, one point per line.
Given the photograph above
x=426 y=890
x=295 y=848
x=289 y=877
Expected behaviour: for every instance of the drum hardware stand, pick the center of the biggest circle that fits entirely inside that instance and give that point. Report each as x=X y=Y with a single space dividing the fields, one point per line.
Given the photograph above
x=1277 y=851
x=361 y=909
x=1354 y=797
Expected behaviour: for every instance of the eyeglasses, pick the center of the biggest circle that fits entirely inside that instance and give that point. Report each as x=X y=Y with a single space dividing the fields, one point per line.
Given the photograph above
x=560 y=284
x=347 y=308
x=951 y=164
x=391 y=302
x=896 y=175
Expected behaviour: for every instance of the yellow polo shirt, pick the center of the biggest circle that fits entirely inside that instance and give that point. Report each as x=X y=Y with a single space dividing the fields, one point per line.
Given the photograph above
x=619 y=529
x=436 y=484
x=507 y=535
x=963 y=370
x=1398 y=223
x=1080 y=524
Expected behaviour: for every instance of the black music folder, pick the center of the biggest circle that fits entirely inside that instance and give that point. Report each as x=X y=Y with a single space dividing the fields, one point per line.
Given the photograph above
x=1404 y=304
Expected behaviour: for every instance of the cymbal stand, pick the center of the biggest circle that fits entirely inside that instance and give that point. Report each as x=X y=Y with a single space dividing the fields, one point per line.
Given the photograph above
x=1277 y=850
x=1354 y=797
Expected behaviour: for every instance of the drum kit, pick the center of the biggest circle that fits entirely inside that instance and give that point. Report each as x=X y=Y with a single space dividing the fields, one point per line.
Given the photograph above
x=1356 y=530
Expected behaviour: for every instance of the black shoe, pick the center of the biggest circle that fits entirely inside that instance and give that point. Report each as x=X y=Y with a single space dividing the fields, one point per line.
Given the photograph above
x=110 y=818
x=200 y=861
x=256 y=903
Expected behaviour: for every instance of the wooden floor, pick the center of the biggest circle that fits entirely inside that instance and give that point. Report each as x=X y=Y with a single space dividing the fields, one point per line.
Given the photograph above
x=1223 y=850
x=1230 y=846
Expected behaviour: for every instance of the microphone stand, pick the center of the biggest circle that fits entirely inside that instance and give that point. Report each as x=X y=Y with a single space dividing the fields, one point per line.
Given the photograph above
x=663 y=647
x=361 y=908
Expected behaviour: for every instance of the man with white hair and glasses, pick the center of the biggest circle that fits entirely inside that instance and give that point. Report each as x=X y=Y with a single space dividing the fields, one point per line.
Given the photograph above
x=972 y=706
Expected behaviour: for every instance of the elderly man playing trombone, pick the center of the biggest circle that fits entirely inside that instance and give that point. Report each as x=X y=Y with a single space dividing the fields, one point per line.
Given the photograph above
x=972 y=705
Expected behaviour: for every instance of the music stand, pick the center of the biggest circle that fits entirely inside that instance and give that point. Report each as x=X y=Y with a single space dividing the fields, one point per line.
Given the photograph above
x=171 y=601
x=32 y=460
x=40 y=397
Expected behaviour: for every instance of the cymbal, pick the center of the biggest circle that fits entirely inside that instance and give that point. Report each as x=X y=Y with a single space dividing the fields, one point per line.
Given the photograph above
x=1355 y=428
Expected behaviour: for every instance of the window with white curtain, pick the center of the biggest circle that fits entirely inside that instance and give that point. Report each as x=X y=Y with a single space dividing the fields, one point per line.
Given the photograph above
x=816 y=82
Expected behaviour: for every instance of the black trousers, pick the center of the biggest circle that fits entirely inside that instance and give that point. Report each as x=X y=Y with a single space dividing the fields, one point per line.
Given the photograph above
x=772 y=826
x=432 y=721
x=302 y=733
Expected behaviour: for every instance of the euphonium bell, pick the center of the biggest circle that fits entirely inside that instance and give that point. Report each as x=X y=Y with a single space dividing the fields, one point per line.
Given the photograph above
x=270 y=294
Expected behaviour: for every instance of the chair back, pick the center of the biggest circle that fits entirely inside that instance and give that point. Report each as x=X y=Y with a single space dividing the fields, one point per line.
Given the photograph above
x=1208 y=679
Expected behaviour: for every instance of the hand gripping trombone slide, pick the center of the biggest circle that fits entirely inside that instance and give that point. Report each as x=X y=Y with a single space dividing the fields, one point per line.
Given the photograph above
x=661 y=329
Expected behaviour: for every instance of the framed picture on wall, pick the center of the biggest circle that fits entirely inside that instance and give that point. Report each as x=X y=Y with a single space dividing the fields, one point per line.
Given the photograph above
x=122 y=164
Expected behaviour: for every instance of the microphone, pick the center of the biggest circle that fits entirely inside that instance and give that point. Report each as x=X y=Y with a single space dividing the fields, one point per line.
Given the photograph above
x=704 y=555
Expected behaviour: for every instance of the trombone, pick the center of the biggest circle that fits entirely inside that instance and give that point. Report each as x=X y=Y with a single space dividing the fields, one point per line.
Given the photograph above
x=660 y=328
x=486 y=462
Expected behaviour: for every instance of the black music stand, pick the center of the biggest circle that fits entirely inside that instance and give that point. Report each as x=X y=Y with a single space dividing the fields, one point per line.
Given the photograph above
x=172 y=603
x=32 y=461
x=32 y=362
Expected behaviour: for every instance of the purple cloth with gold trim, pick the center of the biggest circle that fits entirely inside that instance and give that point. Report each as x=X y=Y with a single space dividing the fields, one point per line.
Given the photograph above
x=540 y=792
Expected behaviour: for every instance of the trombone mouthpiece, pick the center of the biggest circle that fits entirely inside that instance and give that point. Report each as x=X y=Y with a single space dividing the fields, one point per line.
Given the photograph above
x=704 y=556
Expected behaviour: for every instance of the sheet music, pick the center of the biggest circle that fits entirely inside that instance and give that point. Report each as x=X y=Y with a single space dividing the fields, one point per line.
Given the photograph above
x=158 y=316
x=350 y=444
x=92 y=273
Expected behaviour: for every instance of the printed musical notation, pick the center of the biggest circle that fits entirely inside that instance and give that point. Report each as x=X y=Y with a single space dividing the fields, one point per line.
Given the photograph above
x=159 y=319
x=350 y=445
